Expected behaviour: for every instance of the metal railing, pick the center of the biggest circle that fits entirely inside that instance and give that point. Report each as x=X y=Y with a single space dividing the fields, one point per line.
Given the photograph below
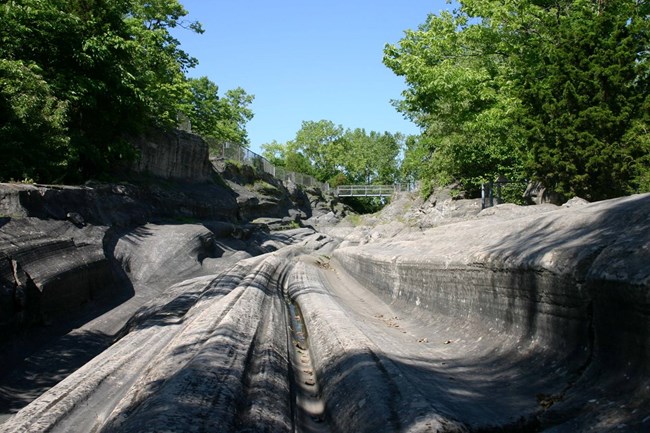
x=237 y=153
x=372 y=190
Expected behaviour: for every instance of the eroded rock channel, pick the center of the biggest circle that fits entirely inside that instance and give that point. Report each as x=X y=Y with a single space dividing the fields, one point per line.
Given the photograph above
x=513 y=319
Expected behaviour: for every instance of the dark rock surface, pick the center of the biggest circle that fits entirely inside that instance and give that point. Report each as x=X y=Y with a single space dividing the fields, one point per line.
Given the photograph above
x=124 y=204
x=173 y=155
x=157 y=305
x=48 y=268
x=258 y=193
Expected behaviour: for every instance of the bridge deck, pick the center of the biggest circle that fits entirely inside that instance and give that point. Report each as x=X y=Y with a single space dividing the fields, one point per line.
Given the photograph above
x=366 y=190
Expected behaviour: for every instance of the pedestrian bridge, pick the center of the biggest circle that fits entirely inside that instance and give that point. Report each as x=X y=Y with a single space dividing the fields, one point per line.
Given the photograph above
x=370 y=190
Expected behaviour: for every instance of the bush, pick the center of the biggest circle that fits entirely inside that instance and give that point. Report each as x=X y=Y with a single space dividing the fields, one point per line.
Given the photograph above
x=33 y=137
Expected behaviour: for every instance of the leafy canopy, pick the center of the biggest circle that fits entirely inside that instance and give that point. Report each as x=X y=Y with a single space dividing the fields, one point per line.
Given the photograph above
x=555 y=91
x=334 y=154
x=219 y=119
x=103 y=70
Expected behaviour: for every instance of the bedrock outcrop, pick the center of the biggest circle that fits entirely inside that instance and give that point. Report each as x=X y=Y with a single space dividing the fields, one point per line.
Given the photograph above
x=173 y=154
x=76 y=262
x=279 y=204
x=514 y=320
x=571 y=285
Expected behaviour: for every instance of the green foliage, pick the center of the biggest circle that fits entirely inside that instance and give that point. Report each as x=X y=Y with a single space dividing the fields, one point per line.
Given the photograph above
x=275 y=153
x=33 y=137
x=365 y=205
x=291 y=226
x=553 y=91
x=102 y=71
x=204 y=108
x=115 y=75
x=234 y=116
x=220 y=120
x=323 y=144
x=372 y=157
x=339 y=179
x=337 y=155
x=586 y=98
x=458 y=94
x=638 y=137
x=159 y=63
x=354 y=219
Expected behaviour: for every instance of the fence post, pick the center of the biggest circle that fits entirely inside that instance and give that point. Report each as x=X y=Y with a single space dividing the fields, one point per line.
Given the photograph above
x=491 y=195
x=483 y=196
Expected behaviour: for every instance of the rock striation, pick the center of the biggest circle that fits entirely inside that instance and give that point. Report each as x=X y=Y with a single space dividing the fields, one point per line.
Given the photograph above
x=510 y=321
x=178 y=306
x=173 y=154
x=570 y=284
x=49 y=268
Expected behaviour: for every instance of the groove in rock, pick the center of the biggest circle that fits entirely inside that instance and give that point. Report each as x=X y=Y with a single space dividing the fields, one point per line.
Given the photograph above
x=309 y=410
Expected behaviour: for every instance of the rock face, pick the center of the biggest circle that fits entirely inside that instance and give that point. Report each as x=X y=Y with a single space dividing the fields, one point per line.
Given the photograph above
x=572 y=284
x=159 y=306
x=88 y=257
x=122 y=205
x=173 y=155
x=224 y=336
x=260 y=195
x=49 y=268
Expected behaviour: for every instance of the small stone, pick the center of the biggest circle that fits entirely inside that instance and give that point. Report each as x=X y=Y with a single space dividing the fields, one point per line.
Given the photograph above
x=75 y=219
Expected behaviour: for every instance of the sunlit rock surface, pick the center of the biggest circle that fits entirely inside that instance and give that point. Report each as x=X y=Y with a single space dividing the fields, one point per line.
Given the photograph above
x=510 y=319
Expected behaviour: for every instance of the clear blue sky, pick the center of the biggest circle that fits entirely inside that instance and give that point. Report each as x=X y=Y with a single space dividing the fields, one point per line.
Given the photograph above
x=306 y=60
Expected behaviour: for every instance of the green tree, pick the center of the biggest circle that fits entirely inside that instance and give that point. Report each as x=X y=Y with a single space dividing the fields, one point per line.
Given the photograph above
x=324 y=145
x=337 y=155
x=220 y=120
x=275 y=152
x=33 y=137
x=204 y=107
x=415 y=160
x=160 y=63
x=547 y=90
x=372 y=157
x=584 y=97
x=287 y=156
x=112 y=64
x=235 y=114
x=459 y=94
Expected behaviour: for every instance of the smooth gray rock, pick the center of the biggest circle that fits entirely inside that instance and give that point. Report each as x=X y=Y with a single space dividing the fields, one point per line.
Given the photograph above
x=510 y=319
x=572 y=283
